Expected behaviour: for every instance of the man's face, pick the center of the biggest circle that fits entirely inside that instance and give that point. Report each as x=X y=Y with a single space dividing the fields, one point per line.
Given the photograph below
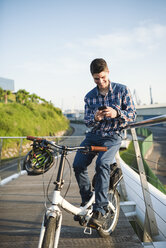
x=101 y=79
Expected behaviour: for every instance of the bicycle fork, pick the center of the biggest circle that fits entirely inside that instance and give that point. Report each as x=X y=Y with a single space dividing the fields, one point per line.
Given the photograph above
x=57 y=214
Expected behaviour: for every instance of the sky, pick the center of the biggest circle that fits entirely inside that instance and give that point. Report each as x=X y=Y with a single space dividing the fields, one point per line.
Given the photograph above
x=46 y=47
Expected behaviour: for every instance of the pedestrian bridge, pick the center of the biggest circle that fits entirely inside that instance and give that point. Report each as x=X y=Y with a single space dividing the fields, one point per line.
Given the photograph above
x=22 y=206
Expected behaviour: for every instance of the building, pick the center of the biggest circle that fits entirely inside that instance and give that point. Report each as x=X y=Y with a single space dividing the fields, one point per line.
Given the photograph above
x=7 y=84
x=145 y=112
x=149 y=111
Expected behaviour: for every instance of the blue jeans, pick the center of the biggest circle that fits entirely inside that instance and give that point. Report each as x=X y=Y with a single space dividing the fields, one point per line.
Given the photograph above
x=103 y=162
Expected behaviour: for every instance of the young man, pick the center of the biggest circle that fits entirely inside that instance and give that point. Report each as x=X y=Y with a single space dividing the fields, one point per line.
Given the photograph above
x=108 y=108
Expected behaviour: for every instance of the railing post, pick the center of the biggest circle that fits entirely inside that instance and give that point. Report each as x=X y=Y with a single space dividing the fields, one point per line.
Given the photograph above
x=150 y=224
x=19 y=159
x=1 y=143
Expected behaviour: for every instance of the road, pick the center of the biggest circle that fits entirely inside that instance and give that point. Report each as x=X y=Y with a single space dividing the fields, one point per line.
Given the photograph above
x=79 y=129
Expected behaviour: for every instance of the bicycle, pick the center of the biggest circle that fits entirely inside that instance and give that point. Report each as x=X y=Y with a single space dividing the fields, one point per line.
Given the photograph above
x=52 y=220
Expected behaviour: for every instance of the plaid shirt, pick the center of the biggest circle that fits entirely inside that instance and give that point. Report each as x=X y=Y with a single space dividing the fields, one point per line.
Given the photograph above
x=120 y=99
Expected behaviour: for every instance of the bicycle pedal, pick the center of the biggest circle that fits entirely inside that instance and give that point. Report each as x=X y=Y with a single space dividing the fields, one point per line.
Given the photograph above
x=88 y=230
x=93 y=226
x=77 y=217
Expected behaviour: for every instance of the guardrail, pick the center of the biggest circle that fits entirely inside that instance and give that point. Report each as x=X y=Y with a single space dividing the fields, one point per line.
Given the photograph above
x=149 y=122
x=151 y=230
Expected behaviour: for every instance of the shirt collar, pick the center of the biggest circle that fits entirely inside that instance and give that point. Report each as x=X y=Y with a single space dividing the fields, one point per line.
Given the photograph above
x=110 y=91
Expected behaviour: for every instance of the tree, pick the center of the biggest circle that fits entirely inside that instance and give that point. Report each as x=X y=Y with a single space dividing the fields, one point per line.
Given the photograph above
x=22 y=96
x=1 y=94
x=6 y=94
x=34 y=98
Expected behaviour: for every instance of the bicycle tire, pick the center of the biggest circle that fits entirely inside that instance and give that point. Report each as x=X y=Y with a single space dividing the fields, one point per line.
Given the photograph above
x=49 y=235
x=112 y=216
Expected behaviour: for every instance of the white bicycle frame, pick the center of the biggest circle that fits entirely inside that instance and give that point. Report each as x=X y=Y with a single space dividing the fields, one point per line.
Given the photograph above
x=59 y=201
x=54 y=211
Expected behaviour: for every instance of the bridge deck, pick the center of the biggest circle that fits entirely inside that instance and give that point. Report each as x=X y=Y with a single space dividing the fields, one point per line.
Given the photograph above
x=21 y=209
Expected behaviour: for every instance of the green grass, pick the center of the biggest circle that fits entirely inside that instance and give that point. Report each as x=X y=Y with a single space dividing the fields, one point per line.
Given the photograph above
x=129 y=158
x=31 y=119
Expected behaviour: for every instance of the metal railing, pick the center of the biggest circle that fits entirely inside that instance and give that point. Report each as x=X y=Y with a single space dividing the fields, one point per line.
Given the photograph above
x=149 y=122
x=66 y=140
x=149 y=230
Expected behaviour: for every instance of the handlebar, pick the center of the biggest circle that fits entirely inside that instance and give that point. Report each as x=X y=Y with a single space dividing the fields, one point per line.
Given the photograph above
x=83 y=148
x=34 y=138
x=98 y=148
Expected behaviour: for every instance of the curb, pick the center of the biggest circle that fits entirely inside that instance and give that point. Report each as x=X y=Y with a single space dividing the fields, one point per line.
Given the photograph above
x=12 y=177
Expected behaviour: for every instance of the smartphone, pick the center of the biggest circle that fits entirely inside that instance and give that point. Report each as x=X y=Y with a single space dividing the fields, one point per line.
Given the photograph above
x=102 y=107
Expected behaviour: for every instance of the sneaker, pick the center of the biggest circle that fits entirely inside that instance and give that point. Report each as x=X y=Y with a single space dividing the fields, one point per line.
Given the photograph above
x=97 y=220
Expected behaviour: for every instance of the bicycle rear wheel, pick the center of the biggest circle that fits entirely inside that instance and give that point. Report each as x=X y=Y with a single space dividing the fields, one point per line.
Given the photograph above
x=49 y=236
x=112 y=214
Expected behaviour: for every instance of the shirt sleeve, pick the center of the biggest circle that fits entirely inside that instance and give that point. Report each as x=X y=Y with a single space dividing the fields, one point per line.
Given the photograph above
x=89 y=116
x=127 y=112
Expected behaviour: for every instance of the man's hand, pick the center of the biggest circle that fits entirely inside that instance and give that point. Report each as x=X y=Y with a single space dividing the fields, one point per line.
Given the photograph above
x=99 y=115
x=108 y=112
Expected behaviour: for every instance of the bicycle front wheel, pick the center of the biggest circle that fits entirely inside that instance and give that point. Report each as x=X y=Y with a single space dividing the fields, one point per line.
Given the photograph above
x=49 y=236
x=112 y=214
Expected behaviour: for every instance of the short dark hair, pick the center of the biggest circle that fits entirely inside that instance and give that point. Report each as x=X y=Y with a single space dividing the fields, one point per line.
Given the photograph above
x=98 y=65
